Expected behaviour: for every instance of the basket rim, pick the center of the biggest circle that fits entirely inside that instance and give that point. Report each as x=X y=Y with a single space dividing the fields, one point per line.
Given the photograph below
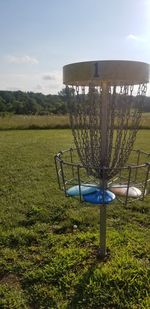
x=111 y=72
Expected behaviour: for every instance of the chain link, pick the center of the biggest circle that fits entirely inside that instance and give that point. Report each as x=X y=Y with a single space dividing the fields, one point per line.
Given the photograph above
x=123 y=120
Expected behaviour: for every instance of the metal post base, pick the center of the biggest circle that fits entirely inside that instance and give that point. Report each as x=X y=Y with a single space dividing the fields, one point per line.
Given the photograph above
x=103 y=256
x=102 y=253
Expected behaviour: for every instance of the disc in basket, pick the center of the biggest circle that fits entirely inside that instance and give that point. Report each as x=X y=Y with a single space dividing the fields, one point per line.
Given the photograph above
x=99 y=197
x=84 y=188
x=121 y=190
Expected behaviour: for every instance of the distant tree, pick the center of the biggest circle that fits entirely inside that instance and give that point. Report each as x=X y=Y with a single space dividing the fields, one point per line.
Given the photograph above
x=2 y=105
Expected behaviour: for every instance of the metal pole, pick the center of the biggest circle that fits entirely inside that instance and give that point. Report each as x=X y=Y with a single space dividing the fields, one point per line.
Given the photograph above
x=58 y=177
x=63 y=177
x=79 y=182
x=137 y=163
x=102 y=250
x=129 y=179
x=104 y=147
x=146 y=179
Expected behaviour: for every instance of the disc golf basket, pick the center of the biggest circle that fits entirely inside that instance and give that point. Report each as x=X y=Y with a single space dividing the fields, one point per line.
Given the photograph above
x=105 y=106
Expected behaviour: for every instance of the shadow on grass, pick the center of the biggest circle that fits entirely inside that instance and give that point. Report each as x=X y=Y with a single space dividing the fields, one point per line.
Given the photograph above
x=78 y=300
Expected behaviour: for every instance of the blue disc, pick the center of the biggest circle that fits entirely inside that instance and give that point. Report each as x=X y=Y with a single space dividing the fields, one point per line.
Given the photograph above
x=85 y=189
x=99 y=197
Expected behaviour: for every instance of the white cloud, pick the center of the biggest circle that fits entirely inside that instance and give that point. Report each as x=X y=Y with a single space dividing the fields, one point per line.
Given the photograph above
x=21 y=59
x=132 y=37
x=136 y=38
x=48 y=77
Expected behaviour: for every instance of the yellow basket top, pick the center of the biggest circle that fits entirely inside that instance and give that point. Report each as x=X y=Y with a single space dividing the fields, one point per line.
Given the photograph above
x=112 y=72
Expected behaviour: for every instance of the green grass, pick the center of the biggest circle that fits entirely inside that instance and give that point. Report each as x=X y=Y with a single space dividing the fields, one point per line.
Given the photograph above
x=45 y=263
x=23 y=122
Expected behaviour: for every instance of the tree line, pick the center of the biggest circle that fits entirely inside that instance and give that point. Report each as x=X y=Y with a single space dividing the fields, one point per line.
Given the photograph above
x=29 y=103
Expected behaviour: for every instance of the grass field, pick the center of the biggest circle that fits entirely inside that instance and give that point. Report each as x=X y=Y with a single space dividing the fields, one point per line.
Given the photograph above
x=23 y=122
x=45 y=263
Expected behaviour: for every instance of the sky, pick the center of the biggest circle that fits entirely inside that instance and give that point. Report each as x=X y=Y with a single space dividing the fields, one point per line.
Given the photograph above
x=39 y=37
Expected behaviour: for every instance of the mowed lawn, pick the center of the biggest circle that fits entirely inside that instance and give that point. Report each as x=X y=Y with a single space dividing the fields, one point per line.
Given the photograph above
x=44 y=262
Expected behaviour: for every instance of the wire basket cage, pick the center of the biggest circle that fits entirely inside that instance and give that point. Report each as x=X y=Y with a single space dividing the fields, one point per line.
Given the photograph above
x=71 y=172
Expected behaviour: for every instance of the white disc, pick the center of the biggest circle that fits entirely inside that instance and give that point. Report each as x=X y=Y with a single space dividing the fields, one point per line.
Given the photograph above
x=121 y=190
